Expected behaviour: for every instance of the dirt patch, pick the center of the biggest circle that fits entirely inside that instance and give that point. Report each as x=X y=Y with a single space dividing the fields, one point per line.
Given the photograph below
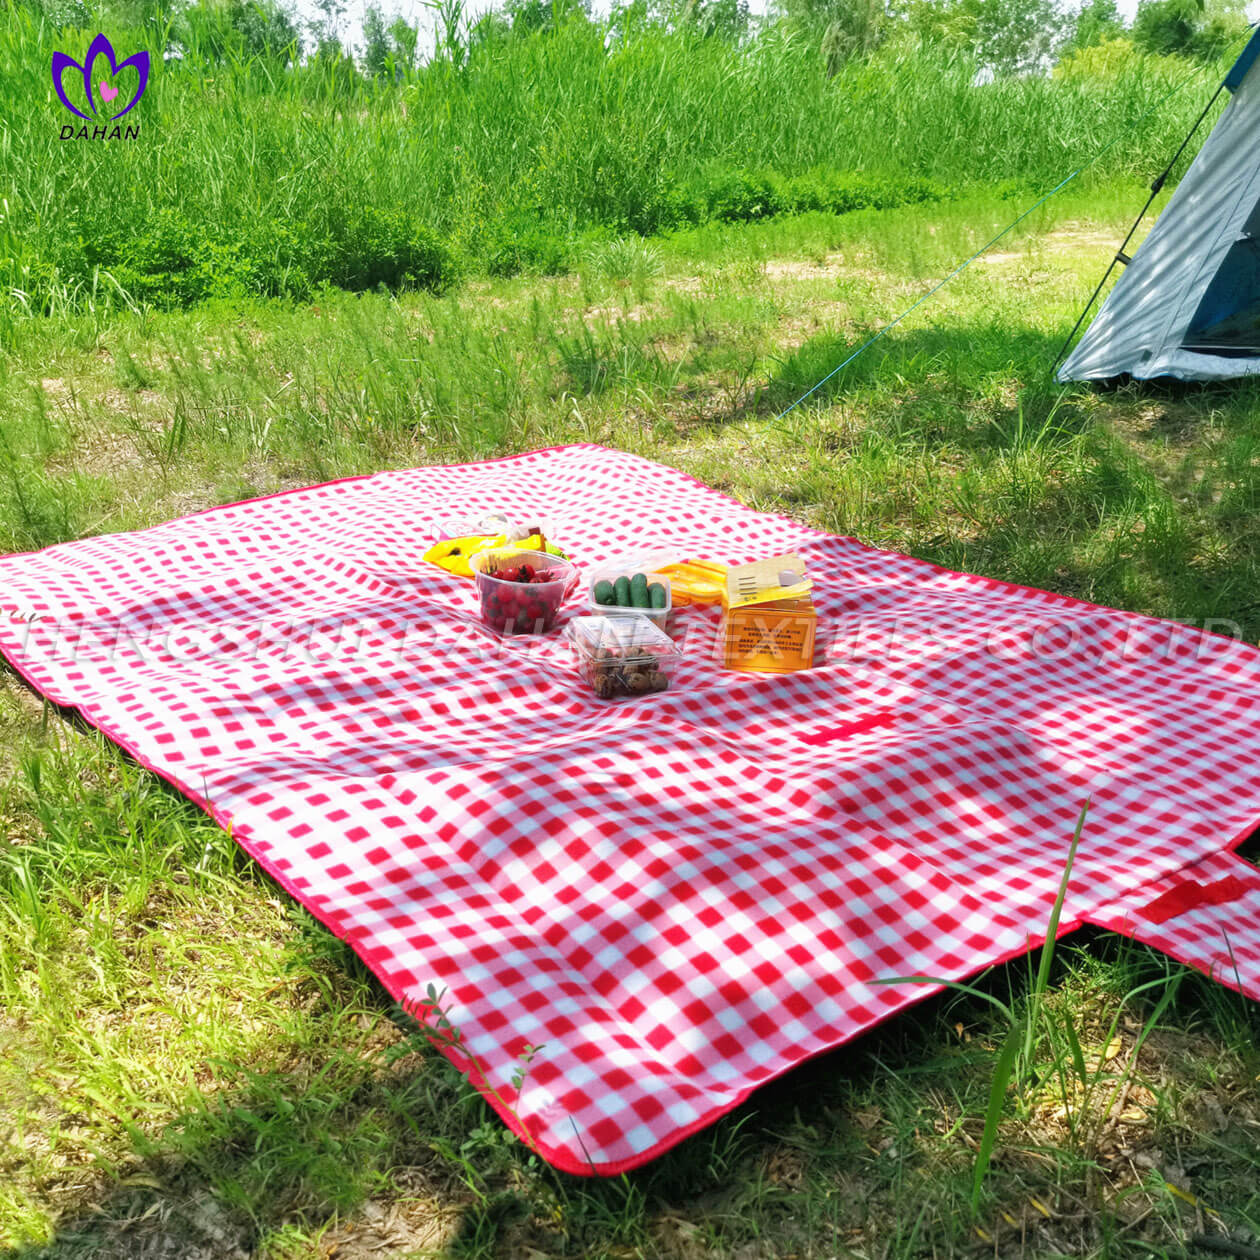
x=404 y=1227
x=615 y=314
x=1071 y=238
x=789 y=269
x=1168 y=421
x=833 y=267
x=104 y=454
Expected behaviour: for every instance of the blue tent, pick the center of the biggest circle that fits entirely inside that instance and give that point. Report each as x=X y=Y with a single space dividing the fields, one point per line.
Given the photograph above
x=1188 y=303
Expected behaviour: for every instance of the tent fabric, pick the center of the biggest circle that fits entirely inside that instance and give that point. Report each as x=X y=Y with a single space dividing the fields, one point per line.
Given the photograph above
x=1227 y=321
x=676 y=898
x=1242 y=67
x=1188 y=305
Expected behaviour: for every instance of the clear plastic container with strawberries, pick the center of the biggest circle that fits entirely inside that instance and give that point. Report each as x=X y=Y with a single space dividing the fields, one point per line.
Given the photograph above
x=521 y=590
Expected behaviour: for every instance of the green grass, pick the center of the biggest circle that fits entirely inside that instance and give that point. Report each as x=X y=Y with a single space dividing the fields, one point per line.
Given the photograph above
x=190 y=1067
x=252 y=179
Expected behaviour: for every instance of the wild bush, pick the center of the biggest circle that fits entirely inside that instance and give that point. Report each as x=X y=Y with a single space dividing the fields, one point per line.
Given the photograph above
x=254 y=174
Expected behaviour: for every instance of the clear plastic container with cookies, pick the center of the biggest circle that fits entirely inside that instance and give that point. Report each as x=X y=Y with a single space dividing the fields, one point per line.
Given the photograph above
x=623 y=657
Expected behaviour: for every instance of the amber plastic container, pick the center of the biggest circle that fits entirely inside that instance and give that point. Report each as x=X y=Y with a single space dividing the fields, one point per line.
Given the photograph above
x=770 y=638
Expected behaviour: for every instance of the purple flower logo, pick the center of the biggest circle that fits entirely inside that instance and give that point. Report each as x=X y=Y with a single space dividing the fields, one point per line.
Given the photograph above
x=104 y=86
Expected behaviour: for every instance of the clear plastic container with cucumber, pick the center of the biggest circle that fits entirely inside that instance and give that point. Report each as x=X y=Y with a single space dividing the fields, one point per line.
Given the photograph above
x=622 y=591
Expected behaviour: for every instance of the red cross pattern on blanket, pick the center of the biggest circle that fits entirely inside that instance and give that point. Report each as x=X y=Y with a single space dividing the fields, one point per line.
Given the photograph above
x=677 y=897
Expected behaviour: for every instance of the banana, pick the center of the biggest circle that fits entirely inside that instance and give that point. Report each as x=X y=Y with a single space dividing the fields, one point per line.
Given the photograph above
x=453 y=554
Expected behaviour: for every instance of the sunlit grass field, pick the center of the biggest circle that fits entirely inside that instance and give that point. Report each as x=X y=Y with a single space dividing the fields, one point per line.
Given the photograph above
x=250 y=177
x=190 y=1067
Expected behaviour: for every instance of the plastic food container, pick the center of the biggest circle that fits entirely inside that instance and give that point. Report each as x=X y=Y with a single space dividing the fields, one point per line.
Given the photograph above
x=771 y=638
x=769 y=622
x=623 y=655
x=612 y=573
x=512 y=606
x=695 y=581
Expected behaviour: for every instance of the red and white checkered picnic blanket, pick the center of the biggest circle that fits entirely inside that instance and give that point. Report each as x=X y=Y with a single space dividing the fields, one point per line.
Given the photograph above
x=678 y=897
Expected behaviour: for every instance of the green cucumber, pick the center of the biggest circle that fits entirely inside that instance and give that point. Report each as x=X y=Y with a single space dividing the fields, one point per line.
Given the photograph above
x=621 y=590
x=660 y=596
x=639 y=591
x=603 y=591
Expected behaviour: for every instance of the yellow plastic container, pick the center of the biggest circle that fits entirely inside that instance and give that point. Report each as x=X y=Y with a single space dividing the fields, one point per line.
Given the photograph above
x=695 y=582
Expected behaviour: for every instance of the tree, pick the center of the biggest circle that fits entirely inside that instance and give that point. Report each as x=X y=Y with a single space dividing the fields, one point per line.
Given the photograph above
x=389 y=49
x=1015 y=36
x=239 y=29
x=722 y=19
x=493 y=27
x=1189 y=28
x=61 y=13
x=844 y=29
x=375 y=43
x=325 y=32
x=1097 y=22
x=1007 y=36
x=530 y=17
x=1166 y=26
x=406 y=41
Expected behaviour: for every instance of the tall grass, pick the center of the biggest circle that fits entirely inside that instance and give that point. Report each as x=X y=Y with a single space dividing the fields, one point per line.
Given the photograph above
x=255 y=178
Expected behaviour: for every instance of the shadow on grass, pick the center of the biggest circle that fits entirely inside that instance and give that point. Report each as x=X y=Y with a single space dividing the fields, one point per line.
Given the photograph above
x=964 y=385
x=957 y=446
x=1165 y=573
x=405 y=1161
x=1171 y=389
x=964 y=364
x=269 y=1166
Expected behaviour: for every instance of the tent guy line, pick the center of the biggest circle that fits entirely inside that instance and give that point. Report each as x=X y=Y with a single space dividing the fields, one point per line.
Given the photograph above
x=1251 y=51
